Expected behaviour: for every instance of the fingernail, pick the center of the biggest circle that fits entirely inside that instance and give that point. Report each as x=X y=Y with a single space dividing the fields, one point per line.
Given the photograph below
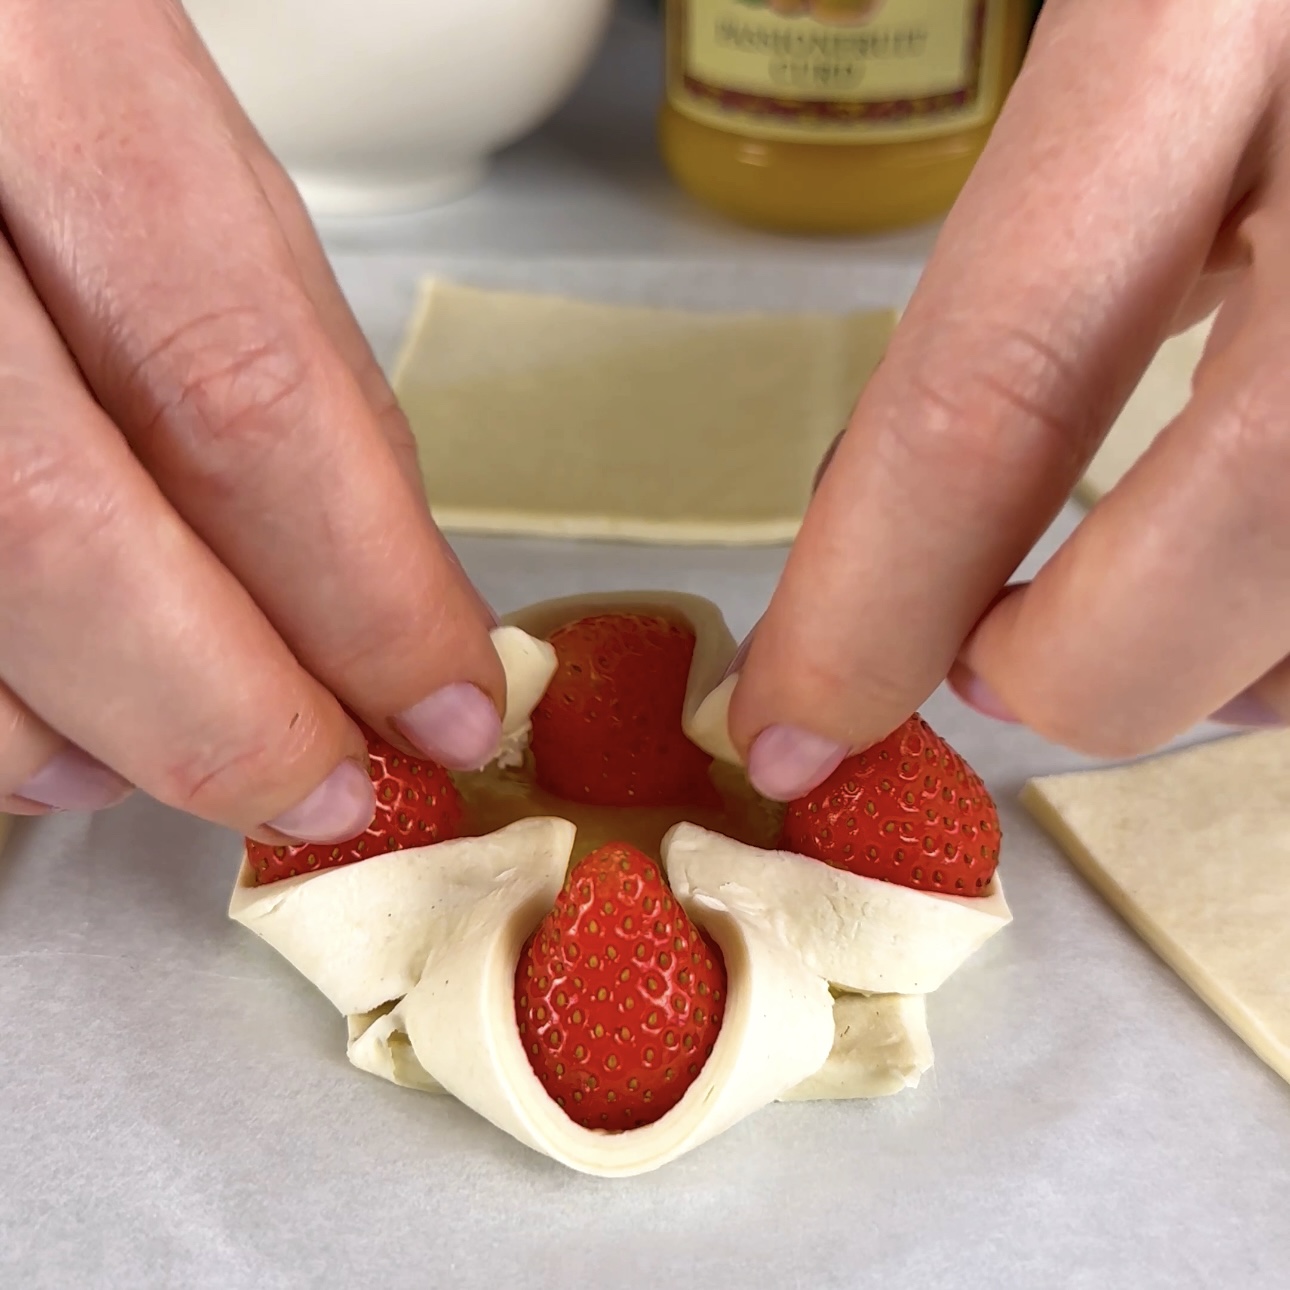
x=341 y=807
x=785 y=762
x=976 y=694
x=458 y=726
x=1247 y=710
x=72 y=780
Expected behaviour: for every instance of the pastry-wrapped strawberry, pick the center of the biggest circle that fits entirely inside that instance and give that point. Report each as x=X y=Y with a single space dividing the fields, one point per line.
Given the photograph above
x=607 y=944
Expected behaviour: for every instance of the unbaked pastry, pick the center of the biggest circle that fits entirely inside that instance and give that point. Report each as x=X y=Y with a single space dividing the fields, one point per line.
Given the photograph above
x=1161 y=395
x=1193 y=849
x=418 y=947
x=539 y=415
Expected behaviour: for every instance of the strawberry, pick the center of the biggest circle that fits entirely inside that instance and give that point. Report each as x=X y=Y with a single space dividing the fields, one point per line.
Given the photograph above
x=908 y=810
x=416 y=804
x=608 y=729
x=618 y=996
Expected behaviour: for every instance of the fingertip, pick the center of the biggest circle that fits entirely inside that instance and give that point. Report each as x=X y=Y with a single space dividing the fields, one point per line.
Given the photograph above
x=341 y=807
x=458 y=725
x=72 y=780
x=1249 y=711
x=785 y=762
x=979 y=695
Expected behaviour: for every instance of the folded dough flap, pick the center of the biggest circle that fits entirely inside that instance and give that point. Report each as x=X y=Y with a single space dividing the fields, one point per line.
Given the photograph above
x=379 y=1045
x=362 y=932
x=460 y=1019
x=858 y=933
x=528 y=664
x=708 y=725
x=881 y=1046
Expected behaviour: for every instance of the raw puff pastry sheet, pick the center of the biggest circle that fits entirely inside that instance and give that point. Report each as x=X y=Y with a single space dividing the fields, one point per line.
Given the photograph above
x=1193 y=849
x=546 y=416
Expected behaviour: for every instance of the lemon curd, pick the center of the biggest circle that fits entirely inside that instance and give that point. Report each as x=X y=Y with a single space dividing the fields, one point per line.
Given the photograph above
x=835 y=116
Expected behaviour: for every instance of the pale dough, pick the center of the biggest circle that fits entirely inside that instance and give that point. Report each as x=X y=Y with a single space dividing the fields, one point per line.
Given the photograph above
x=460 y=1020
x=857 y=933
x=1161 y=395
x=361 y=932
x=880 y=1046
x=540 y=415
x=1193 y=849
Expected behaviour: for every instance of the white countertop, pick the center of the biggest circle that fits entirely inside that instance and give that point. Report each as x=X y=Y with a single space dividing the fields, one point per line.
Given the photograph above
x=177 y=1106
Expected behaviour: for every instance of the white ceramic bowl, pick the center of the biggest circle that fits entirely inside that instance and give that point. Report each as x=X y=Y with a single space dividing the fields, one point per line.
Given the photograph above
x=378 y=106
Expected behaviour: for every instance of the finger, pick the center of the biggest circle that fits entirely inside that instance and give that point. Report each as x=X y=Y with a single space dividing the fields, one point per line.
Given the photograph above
x=338 y=321
x=40 y=771
x=1265 y=703
x=1056 y=276
x=826 y=461
x=198 y=339
x=122 y=632
x=312 y=265
x=1172 y=599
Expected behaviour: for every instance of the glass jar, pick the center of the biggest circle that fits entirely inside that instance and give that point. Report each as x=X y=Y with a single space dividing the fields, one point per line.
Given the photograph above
x=835 y=116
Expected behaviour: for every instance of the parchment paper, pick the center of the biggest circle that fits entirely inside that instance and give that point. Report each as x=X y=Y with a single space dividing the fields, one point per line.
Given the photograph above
x=178 y=1110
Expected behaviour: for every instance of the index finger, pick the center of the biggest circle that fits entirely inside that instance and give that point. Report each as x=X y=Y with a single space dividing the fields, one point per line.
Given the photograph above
x=198 y=336
x=1056 y=276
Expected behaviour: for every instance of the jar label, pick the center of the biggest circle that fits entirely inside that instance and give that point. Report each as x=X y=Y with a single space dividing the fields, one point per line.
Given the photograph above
x=842 y=70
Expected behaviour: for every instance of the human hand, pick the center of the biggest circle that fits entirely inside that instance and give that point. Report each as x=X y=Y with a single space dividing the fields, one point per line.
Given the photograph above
x=212 y=530
x=1139 y=174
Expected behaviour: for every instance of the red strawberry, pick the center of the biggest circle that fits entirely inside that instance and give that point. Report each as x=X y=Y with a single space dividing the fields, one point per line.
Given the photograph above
x=416 y=804
x=608 y=729
x=908 y=810
x=618 y=996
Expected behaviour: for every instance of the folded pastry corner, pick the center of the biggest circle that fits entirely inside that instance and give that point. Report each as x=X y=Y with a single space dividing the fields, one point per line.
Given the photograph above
x=859 y=934
x=361 y=933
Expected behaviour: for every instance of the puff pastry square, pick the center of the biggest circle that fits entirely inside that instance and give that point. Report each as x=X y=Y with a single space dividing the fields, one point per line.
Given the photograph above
x=1193 y=849
x=543 y=416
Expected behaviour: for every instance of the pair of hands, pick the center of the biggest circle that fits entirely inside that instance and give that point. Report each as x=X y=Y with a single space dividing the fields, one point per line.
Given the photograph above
x=205 y=480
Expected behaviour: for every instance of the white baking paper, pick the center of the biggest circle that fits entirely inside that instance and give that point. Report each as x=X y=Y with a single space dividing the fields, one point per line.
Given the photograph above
x=178 y=1110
